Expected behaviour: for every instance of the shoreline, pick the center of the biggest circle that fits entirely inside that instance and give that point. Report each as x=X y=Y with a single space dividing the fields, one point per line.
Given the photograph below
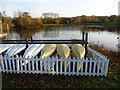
x=104 y=25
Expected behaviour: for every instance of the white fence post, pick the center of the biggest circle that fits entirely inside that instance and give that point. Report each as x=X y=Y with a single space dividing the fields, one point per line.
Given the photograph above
x=45 y=65
x=65 y=66
x=6 y=65
x=106 y=67
x=13 y=63
x=17 y=64
x=90 y=66
x=61 y=62
x=73 y=65
x=32 y=64
x=9 y=61
x=98 y=67
x=49 y=65
x=57 y=66
x=86 y=66
x=41 y=66
x=103 y=68
x=53 y=62
x=36 y=59
x=29 y=67
x=25 y=64
x=94 y=67
x=2 y=63
x=21 y=66
x=78 y=65
x=69 y=66
x=82 y=66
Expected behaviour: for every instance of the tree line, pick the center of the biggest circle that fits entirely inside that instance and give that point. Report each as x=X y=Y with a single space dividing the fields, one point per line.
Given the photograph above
x=23 y=20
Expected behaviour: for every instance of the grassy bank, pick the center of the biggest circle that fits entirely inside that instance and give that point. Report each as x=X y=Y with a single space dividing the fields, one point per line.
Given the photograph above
x=107 y=23
x=54 y=24
x=110 y=24
x=61 y=81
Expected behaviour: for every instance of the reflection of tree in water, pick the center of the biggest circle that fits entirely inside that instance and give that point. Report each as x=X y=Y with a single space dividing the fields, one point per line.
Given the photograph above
x=96 y=29
x=72 y=27
x=12 y=35
x=51 y=32
x=54 y=31
x=28 y=33
x=93 y=29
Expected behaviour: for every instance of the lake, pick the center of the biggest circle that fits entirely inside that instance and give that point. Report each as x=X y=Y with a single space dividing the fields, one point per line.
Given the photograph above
x=106 y=37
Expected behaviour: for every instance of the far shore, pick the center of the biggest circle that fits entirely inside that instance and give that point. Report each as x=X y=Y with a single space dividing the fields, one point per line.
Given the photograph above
x=111 y=25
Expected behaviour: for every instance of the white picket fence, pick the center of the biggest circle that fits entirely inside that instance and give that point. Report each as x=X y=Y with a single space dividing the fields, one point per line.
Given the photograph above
x=89 y=66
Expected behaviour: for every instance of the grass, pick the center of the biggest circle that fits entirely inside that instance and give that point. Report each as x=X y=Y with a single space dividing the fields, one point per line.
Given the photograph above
x=54 y=24
x=61 y=81
x=106 y=23
x=111 y=23
x=54 y=81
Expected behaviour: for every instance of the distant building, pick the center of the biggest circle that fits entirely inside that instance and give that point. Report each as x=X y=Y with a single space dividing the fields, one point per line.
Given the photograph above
x=50 y=15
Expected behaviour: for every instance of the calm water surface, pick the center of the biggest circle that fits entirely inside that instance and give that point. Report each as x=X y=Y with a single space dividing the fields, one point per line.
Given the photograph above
x=101 y=36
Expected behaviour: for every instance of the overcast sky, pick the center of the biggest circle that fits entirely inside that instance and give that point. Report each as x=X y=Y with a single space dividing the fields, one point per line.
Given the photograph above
x=65 y=8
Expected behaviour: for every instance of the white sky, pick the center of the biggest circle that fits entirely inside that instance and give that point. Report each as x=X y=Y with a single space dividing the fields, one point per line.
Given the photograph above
x=67 y=8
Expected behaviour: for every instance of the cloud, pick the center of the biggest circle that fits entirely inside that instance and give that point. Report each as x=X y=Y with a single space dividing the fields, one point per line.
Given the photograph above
x=33 y=0
x=49 y=1
x=10 y=8
x=63 y=7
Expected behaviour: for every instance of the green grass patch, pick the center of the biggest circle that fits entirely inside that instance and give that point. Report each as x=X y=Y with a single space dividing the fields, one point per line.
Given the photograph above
x=54 y=24
x=110 y=23
x=60 y=81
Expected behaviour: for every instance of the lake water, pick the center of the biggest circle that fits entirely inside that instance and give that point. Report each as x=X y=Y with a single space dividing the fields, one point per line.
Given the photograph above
x=107 y=37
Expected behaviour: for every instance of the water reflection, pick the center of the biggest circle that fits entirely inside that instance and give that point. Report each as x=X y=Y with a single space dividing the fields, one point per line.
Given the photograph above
x=51 y=32
x=28 y=33
x=98 y=35
x=108 y=39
